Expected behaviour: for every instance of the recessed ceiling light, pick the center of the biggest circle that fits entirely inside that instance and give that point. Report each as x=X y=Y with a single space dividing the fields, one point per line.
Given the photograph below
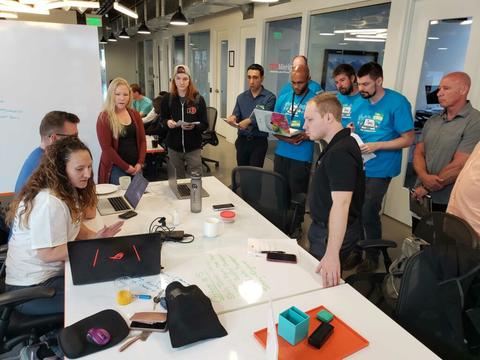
x=326 y=34
x=342 y=43
x=442 y=48
x=362 y=39
x=433 y=38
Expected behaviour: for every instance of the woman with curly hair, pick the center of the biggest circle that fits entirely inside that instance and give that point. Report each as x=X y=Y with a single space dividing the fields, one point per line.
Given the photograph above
x=121 y=135
x=46 y=214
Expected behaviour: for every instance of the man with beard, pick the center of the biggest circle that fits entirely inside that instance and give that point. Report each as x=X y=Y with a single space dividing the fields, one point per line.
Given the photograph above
x=346 y=83
x=384 y=123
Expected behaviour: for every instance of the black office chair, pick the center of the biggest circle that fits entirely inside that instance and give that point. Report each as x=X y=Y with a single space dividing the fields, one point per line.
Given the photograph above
x=439 y=284
x=268 y=193
x=209 y=136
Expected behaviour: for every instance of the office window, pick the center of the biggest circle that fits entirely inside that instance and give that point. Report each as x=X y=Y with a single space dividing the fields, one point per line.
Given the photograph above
x=178 y=50
x=199 y=62
x=283 y=43
x=353 y=36
x=249 y=56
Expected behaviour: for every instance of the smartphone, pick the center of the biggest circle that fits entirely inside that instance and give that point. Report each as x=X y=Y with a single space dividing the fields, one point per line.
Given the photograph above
x=127 y=215
x=290 y=258
x=220 y=207
x=156 y=326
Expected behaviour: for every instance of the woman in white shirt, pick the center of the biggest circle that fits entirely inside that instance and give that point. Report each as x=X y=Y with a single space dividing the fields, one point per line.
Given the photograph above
x=45 y=215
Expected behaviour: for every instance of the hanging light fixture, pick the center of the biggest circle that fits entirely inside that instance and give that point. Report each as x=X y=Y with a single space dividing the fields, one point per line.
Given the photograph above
x=123 y=34
x=178 y=18
x=143 y=29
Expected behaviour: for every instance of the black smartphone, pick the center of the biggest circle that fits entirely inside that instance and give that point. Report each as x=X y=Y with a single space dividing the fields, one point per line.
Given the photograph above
x=157 y=326
x=220 y=207
x=320 y=335
x=290 y=258
x=127 y=215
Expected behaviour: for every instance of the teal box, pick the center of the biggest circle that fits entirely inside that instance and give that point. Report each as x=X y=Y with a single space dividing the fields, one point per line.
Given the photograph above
x=293 y=325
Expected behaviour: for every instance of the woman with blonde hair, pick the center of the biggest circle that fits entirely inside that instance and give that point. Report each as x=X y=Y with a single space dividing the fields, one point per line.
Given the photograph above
x=121 y=135
x=184 y=112
x=46 y=214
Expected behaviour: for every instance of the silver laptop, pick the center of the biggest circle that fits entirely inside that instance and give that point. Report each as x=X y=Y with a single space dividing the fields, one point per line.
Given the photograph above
x=181 y=190
x=118 y=204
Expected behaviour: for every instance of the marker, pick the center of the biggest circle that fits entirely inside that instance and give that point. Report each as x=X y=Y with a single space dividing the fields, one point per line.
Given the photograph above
x=143 y=296
x=272 y=252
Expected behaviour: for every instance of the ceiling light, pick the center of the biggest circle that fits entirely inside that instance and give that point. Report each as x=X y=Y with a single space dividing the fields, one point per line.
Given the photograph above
x=143 y=29
x=125 y=10
x=178 y=18
x=68 y=3
x=123 y=34
x=434 y=22
x=103 y=40
x=342 y=43
x=360 y=31
x=442 y=48
x=7 y=15
x=13 y=6
x=327 y=34
x=373 y=36
x=466 y=22
x=265 y=1
x=433 y=38
x=112 y=38
x=362 y=39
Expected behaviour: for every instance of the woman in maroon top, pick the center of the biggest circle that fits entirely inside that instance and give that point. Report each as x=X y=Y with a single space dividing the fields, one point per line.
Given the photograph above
x=121 y=135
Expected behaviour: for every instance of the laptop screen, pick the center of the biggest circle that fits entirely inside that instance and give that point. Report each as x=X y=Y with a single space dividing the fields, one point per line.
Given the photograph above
x=136 y=189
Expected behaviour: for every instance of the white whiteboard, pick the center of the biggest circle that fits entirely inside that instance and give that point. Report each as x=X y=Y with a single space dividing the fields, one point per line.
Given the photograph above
x=45 y=67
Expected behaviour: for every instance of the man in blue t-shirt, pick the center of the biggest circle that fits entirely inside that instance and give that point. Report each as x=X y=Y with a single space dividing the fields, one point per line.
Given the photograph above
x=251 y=144
x=384 y=122
x=348 y=95
x=55 y=125
x=314 y=86
x=140 y=102
x=293 y=155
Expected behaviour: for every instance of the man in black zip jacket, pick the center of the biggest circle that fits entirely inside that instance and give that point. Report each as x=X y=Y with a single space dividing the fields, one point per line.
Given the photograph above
x=184 y=112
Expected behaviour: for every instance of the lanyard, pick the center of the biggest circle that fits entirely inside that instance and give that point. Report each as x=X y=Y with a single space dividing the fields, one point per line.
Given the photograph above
x=294 y=110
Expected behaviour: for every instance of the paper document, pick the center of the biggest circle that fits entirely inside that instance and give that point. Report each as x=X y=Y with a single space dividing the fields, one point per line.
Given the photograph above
x=365 y=157
x=181 y=122
x=256 y=246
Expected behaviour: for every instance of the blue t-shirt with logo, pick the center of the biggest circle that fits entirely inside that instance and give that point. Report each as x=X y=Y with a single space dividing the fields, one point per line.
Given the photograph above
x=314 y=87
x=304 y=150
x=383 y=121
x=348 y=106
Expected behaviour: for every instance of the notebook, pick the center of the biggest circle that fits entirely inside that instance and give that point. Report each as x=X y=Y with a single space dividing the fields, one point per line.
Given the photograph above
x=129 y=201
x=181 y=190
x=99 y=260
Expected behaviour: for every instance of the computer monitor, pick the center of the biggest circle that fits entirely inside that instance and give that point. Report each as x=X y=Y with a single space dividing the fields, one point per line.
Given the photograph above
x=431 y=92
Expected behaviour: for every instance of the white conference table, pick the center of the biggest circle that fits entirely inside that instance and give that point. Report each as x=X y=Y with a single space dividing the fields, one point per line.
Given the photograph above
x=240 y=301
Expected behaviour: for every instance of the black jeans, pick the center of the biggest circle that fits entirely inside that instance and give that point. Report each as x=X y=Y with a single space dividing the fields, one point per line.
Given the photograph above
x=375 y=190
x=435 y=207
x=318 y=236
x=251 y=151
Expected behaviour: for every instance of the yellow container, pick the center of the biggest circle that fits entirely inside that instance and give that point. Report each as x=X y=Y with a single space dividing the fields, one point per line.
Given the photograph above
x=124 y=297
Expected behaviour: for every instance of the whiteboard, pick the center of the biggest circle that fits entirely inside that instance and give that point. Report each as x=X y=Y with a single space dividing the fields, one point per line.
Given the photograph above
x=45 y=67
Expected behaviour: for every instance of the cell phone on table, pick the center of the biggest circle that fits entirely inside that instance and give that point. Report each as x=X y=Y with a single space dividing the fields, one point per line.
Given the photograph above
x=127 y=215
x=220 y=207
x=156 y=326
x=275 y=256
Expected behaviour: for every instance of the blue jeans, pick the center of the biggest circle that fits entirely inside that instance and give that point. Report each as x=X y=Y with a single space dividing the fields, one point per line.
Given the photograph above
x=116 y=174
x=52 y=305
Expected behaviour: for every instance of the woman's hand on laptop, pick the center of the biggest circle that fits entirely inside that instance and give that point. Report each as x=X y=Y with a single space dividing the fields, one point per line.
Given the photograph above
x=110 y=230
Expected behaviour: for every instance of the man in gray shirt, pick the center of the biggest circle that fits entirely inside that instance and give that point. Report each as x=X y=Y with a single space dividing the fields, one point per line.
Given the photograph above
x=446 y=142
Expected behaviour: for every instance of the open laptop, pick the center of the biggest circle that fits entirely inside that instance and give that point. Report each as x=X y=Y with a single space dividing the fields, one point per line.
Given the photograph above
x=129 y=201
x=93 y=261
x=181 y=190
x=274 y=123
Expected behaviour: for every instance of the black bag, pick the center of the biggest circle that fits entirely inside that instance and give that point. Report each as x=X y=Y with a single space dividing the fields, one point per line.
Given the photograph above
x=73 y=339
x=191 y=317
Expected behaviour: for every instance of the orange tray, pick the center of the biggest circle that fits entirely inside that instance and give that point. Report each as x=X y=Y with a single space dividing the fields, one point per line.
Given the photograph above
x=343 y=342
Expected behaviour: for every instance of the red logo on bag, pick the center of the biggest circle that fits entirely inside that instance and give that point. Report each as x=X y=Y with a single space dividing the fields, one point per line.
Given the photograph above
x=192 y=110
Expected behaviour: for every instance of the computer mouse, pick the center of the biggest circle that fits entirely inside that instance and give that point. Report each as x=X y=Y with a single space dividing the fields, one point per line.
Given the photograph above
x=98 y=336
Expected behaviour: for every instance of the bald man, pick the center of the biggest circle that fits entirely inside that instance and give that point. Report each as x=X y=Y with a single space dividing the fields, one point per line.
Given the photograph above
x=314 y=86
x=446 y=142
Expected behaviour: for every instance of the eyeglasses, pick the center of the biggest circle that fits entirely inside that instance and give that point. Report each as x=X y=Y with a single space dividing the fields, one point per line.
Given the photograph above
x=65 y=135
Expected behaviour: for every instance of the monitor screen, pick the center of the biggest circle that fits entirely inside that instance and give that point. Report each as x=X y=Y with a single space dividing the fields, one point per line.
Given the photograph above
x=431 y=92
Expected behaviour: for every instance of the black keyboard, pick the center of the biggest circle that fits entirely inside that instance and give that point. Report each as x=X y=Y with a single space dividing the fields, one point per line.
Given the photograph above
x=118 y=203
x=183 y=189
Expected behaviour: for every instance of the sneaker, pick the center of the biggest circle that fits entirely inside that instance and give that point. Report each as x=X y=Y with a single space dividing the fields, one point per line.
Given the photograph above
x=352 y=260
x=369 y=265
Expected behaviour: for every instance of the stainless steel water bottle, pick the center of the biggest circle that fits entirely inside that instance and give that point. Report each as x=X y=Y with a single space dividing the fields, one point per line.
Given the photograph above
x=196 y=193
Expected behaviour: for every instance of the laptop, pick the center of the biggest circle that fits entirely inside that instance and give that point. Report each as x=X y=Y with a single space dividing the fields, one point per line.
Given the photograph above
x=274 y=123
x=181 y=190
x=99 y=260
x=129 y=201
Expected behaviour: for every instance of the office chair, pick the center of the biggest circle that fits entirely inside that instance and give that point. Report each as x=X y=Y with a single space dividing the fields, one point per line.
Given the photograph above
x=268 y=193
x=209 y=136
x=439 y=285
x=5 y=199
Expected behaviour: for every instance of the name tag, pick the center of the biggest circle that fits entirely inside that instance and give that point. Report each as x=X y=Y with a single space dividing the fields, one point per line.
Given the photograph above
x=295 y=123
x=347 y=111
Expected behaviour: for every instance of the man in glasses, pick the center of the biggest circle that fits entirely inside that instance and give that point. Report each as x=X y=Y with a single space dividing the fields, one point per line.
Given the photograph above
x=55 y=125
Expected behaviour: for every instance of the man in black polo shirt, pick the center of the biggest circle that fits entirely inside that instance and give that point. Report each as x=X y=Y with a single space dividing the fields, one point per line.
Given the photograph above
x=338 y=188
